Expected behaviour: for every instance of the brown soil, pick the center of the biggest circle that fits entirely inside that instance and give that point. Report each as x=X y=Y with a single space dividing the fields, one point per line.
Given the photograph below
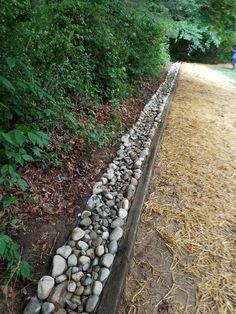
x=50 y=206
x=185 y=254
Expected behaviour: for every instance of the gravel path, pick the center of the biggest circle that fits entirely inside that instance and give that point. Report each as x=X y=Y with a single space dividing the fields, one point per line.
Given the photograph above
x=184 y=259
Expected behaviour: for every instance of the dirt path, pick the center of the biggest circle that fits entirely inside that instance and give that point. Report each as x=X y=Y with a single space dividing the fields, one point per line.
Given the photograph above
x=185 y=254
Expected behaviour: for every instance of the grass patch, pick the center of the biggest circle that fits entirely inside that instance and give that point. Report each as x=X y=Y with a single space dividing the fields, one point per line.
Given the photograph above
x=231 y=74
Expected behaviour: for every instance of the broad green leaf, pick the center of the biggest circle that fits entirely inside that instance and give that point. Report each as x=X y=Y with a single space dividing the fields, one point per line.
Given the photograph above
x=25 y=270
x=8 y=85
x=28 y=158
x=11 y=62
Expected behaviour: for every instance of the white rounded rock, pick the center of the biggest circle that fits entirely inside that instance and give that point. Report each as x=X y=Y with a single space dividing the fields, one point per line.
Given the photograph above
x=77 y=234
x=97 y=288
x=64 y=251
x=45 y=286
x=123 y=213
x=58 y=266
x=116 y=234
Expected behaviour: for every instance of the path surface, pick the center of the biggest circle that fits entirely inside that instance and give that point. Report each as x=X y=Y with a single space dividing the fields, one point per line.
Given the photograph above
x=185 y=253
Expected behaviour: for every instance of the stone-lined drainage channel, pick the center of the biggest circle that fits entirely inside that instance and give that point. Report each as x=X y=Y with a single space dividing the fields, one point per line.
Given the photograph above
x=81 y=268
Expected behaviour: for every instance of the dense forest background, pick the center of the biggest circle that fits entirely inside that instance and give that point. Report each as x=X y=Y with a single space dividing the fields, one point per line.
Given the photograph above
x=60 y=59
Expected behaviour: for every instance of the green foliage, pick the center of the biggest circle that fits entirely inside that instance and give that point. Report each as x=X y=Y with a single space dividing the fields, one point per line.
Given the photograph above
x=9 y=254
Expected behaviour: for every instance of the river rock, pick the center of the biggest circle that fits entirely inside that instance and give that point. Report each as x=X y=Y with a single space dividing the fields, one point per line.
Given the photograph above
x=77 y=234
x=84 y=260
x=72 y=260
x=92 y=202
x=86 y=222
x=59 y=266
x=118 y=222
x=48 y=308
x=107 y=260
x=33 y=307
x=97 y=288
x=91 y=303
x=116 y=234
x=122 y=213
x=45 y=286
x=77 y=276
x=103 y=274
x=64 y=251
x=100 y=250
x=113 y=247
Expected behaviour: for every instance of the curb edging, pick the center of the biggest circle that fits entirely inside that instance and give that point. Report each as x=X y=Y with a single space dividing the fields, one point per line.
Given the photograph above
x=113 y=291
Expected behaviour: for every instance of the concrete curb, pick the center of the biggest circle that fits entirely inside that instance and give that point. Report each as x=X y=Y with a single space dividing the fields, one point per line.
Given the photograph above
x=113 y=290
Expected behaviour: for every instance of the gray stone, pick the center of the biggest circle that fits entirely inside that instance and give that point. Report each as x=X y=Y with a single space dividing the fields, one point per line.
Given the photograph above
x=87 y=290
x=59 y=266
x=87 y=281
x=130 y=192
x=71 y=286
x=82 y=245
x=105 y=235
x=64 y=251
x=116 y=234
x=71 y=305
x=59 y=295
x=125 y=203
x=134 y=182
x=97 y=241
x=79 y=291
x=84 y=260
x=86 y=222
x=92 y=303
x=113 y=247
x=77 y=276
x=33 y=307
x=61 y=278
x=90 y=253
x=72 y=260
x=123 y=213
x=75 y=269
x=48 y=308
x=77 y=234
x=107 y=260
x=97 y=288
x=85 y=214
x=118 y=222
x=45 y=286
x=100 y=250
x=103 y=274
x=92 y=202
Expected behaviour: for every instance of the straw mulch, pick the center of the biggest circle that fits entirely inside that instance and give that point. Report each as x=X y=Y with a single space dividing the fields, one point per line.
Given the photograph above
x=192 y=200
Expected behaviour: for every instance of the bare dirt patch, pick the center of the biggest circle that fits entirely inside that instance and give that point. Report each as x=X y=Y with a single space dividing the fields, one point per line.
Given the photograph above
x=184 y=258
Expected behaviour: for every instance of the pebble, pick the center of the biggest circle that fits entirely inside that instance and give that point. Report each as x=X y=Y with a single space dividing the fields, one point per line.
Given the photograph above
x=84 y=260
x=118 y=222
x=97 y=288
x=72 y=260
x=33 y=307
x=100 y=250
x=103 y=274
x=77 y=234
x=77 y=276
x=116 y=234
x=59 y=266
x=79 y=291
x=87 y=281
x=113 y=247
x=82 y=245
x=85 y=214
x=92 y=202
x=71 y=286
x=48 y=308
x=91 y=303
x=61 y=278
x=87 y=290
x=105 y=235
x=64 y=251
x=71 y=305
x=107 y=260
x=45 y=286
x=130 y=192
x=122 y=213
x=86 y=222
x=90 y=253
x=97 y=241
x=125 y=204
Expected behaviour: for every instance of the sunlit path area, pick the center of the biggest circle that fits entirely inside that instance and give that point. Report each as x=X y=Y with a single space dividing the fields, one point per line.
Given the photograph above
x=185 y=253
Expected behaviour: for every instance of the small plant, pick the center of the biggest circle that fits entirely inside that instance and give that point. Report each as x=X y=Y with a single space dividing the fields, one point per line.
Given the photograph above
x=10 y=255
